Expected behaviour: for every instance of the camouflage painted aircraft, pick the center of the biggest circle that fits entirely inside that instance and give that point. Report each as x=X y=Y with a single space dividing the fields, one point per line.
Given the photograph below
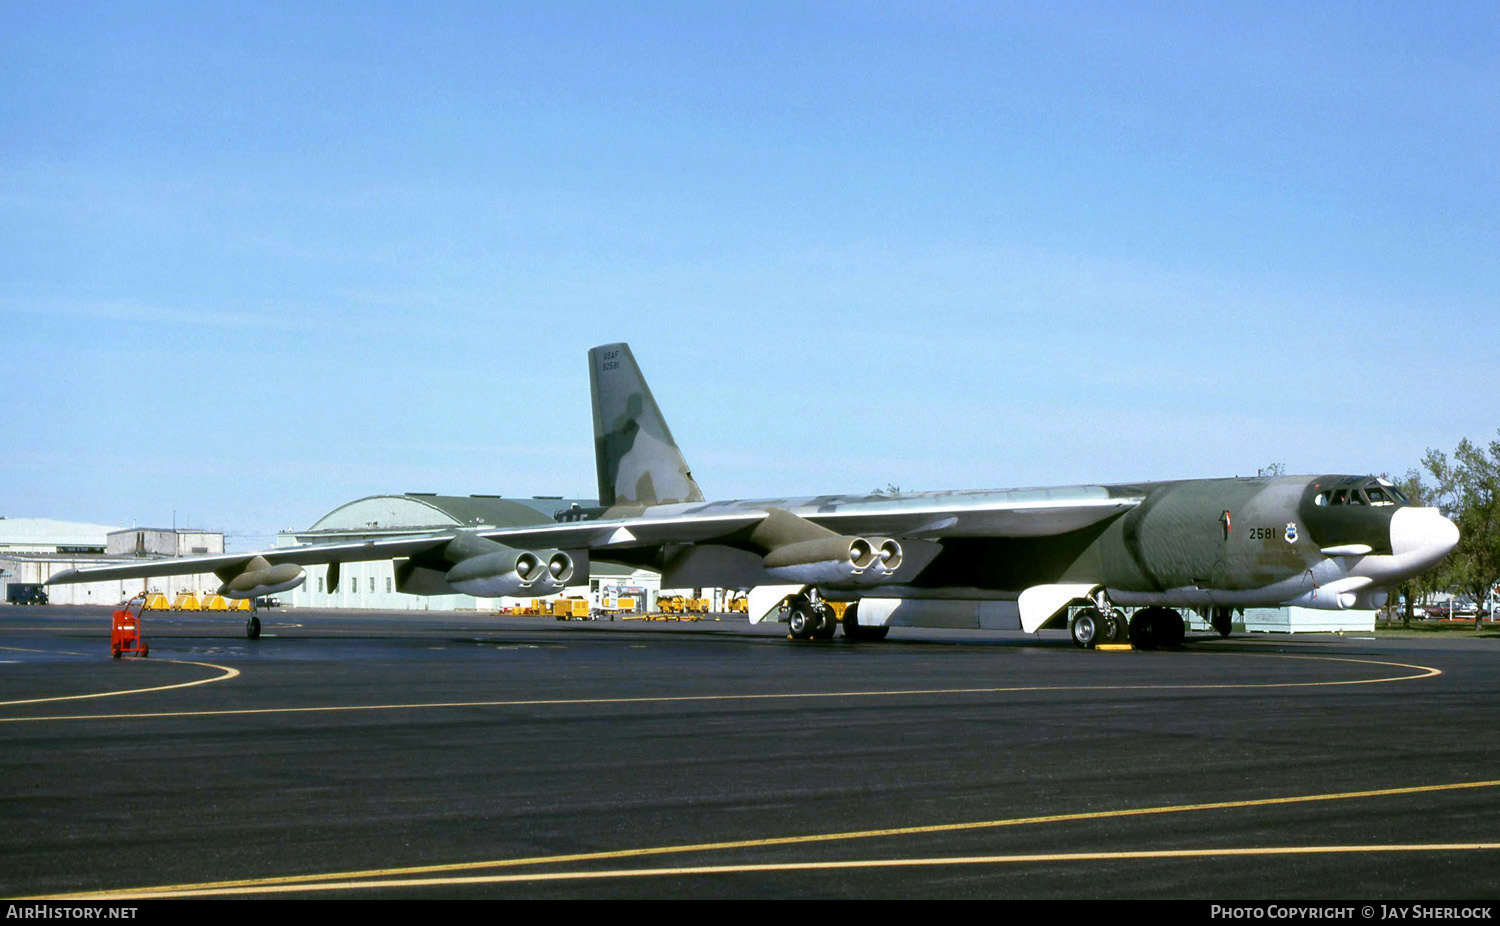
x=1110 y=562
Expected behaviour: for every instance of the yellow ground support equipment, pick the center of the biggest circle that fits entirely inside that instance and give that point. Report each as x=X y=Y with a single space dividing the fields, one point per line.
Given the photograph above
x=241 y=604
x=156 y=601
x=186 y=601
x=215 y=603
x=567 y=609
x=677 y=604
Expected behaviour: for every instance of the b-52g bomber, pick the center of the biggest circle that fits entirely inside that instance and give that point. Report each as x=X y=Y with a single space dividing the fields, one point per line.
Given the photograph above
x=1111 y=562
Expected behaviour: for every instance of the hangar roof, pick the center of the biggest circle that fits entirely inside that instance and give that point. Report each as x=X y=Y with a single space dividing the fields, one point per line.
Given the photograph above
x=414 y=511
x=46 y=532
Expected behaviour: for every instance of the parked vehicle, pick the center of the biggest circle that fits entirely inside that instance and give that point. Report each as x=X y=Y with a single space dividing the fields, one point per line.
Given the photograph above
x=26 y=593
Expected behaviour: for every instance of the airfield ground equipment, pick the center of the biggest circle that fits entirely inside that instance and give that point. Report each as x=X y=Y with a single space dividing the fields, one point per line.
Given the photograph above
x=567 y=609
x=125 y=630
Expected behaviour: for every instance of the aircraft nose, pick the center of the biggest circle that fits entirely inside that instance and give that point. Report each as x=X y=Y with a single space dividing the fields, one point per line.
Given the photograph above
x=1424 y=532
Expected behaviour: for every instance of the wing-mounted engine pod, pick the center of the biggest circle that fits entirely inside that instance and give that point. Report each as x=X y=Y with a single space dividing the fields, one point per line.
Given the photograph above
x=834 y=561
x=498 y=575
x=558 y=567
x=258 y=577
x=887 y=553
x=861 y=553
x=528 y=567
x=508 y=572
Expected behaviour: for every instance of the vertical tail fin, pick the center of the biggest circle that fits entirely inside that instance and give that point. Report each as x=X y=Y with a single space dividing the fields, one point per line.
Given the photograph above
x=638 y=462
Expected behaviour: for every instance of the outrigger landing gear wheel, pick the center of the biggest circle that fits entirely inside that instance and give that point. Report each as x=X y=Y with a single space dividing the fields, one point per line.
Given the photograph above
x=252 y=628
x=1086 y=627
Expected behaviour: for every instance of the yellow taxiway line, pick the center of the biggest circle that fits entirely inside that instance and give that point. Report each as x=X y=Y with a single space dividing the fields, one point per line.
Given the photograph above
x=227 y=674
x=1419 y=672
x=410 y=876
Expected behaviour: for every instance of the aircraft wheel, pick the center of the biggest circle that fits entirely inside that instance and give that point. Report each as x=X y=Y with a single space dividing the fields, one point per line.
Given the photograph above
x=1086 y=627
x=1223 y=621
x=801 y=621
x=1170 y=629
x=828 y=625
x=852 y=630
x=862 y=633
x=252 y=628
x=1143 y=629
x=1114 y=627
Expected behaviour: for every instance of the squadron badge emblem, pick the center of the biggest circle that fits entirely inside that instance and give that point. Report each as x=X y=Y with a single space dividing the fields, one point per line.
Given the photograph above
x=1291 y=532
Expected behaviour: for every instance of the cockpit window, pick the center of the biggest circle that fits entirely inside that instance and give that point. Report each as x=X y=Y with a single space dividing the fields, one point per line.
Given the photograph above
x=1364 y=491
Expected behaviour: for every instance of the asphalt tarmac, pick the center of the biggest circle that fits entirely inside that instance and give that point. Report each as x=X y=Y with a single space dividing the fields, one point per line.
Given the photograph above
x=376 y=755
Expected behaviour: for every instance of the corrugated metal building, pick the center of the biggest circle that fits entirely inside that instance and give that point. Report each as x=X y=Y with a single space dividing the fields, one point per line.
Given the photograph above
x=34 y=549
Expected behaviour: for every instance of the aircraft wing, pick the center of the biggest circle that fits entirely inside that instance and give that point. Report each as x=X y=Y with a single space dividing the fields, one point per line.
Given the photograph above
x=301 y=556
x=592 y=535
x=1042 y=517
x=927 y=518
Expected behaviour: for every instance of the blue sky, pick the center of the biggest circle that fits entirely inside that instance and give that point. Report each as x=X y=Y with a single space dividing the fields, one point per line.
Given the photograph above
x=258 y=260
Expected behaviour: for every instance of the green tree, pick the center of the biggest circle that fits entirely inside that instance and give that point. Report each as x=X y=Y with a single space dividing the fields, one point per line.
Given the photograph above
x=1467 y=489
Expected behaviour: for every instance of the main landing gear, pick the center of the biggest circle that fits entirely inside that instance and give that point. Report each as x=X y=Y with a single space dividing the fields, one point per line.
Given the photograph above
x=811 y=618
x=1148 y=628
x=1157 y=628
x=252 y=628
x=1092 y=626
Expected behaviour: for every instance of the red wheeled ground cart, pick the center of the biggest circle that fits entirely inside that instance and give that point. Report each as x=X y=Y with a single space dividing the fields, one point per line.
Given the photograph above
x=125 y=634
